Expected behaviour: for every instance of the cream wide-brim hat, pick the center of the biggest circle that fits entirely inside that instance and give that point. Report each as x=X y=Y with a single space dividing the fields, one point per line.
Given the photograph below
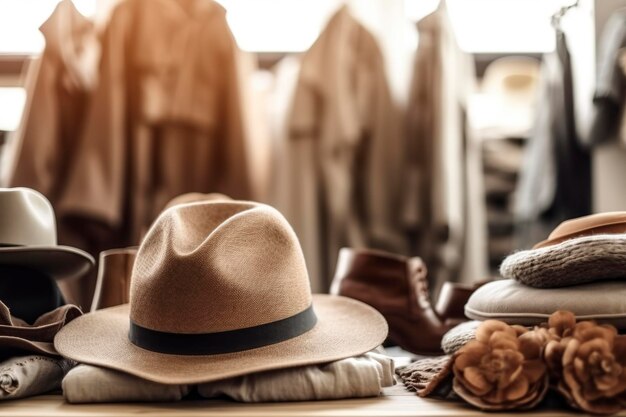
x=345 y=328
x=28 y=237
x=55 y=261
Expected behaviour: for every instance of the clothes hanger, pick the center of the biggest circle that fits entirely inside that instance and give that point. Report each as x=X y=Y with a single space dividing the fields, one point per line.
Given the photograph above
x=556 y=17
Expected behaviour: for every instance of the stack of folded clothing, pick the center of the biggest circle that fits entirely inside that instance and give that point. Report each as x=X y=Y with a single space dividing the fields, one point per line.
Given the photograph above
x=29 y=364
x=581 y=268
x=218 y=303
x=32 y=308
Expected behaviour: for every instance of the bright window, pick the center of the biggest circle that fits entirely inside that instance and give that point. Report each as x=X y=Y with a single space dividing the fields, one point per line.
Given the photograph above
x=20 y=21
x=481 y=25
x=277 y=25
x=497 y=25
x=293 y=25
x=12 y=101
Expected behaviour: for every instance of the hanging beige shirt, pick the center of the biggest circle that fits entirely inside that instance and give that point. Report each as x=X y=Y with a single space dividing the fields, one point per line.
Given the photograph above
x=294 y=194
x=444 y=205
x=165 y=119
x=344 y=146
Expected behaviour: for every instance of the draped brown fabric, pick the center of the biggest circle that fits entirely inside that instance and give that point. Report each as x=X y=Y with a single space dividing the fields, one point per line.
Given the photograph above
x=162 y=115
x=165 y=118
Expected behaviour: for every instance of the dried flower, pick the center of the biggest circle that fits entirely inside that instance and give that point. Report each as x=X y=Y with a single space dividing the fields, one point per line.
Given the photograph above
x=558 y=332
x=507 y=367
x=593 y=373
x=561 y=324
x=502 y=369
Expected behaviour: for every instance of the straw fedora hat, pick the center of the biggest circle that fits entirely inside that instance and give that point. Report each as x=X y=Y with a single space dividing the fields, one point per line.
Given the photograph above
x=115 y=265
x=220 y=289
x=196 y=197
x=580 y=250
x=28 y=237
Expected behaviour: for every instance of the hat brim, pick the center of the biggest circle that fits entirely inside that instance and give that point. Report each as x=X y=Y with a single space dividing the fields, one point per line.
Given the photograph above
x=15 y=346
x=594 y=224
x=575 y=261
x=57 y=262
x=345 y=328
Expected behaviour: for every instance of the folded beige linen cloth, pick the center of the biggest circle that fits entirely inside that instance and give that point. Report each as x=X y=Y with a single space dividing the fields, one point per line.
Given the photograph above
x=92 y=384
x=25 y=376
x=361 y=376
x=357 y=377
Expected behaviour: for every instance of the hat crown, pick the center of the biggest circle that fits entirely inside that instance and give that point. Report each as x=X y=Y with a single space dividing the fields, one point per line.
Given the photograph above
x=588 y=223
x=594 y=224
x=211 y=267
x=26 y=218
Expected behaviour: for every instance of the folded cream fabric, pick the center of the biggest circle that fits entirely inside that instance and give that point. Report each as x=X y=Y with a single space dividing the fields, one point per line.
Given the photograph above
x=361 y=376
x=92 y=384
x=516 y=303
x=26 y=376
x=458 y=336
x=572 y=262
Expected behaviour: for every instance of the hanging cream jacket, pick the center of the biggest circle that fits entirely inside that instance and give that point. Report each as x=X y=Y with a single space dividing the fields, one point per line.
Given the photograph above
x=165 y=119
x=343 y=148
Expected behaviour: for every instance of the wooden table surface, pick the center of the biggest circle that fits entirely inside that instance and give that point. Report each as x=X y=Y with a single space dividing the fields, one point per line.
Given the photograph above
x=396 y=401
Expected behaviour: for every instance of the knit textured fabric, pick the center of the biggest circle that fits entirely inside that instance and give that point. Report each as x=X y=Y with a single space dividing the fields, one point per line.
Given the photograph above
x=458 y=336
x=576 y=261
x=429 y=377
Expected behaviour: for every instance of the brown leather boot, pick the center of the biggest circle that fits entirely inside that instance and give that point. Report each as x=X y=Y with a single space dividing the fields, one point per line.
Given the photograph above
x=113 y=284
x=397 y=287
x=452 y=299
